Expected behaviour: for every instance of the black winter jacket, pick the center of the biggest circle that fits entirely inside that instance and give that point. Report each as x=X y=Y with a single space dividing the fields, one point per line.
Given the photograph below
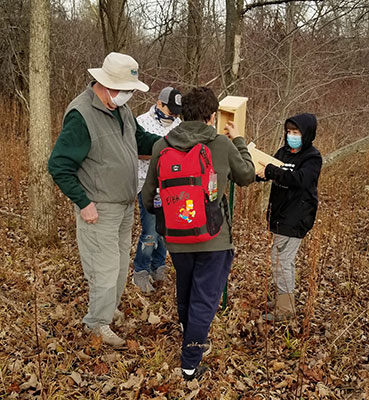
x=294 y=196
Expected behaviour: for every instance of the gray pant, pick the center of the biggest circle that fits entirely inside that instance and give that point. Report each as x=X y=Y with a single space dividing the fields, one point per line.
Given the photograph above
x=104 y=248
x=284 y=251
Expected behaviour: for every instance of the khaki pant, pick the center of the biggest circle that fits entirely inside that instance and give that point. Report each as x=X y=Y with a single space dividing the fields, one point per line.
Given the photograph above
x=104 y=248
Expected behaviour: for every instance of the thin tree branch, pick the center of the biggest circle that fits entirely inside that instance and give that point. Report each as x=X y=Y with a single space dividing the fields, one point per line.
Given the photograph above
x=269 y=3
x=348 y=327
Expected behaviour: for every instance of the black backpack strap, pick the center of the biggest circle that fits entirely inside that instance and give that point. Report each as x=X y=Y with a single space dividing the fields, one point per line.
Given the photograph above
x=224 y=202
x=185 y=181
x=186 y=232
x=166 y=140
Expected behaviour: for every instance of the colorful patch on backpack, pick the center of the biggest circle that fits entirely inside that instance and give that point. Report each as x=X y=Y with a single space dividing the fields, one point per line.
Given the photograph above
x=188 y=212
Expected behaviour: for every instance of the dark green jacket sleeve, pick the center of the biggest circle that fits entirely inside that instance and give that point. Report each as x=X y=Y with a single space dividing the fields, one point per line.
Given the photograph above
x=71 y=148
x=145 y=140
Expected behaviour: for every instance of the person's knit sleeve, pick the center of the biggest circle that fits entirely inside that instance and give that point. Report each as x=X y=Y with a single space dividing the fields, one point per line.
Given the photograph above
x=71 y=148
x=145 y=140
x=151 y=183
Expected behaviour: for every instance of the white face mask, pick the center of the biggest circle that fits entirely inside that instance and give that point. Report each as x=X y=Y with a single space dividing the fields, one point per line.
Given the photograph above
x=121 y=98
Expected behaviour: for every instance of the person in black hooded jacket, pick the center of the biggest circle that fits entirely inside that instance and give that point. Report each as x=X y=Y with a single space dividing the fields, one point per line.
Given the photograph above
x=292 y=206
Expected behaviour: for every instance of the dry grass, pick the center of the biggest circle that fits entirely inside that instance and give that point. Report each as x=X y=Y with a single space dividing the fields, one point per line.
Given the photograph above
x=323 y=355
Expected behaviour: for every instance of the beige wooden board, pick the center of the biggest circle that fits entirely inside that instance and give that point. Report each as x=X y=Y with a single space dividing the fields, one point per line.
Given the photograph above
x=232 y=108
x=258 y=155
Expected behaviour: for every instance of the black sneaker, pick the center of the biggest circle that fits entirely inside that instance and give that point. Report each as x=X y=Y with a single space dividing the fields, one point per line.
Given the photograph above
x=198 y=374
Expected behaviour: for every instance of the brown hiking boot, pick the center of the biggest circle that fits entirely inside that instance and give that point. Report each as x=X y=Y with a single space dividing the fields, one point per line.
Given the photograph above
x=284 y=308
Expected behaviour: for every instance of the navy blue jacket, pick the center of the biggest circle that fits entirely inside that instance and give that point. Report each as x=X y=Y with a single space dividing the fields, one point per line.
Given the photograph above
x=293 y=198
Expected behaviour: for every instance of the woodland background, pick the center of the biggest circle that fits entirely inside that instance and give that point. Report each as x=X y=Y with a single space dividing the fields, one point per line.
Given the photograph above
x=286 y=57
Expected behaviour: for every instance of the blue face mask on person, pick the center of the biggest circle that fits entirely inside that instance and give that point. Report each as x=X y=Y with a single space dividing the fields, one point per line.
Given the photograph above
x=295 y=142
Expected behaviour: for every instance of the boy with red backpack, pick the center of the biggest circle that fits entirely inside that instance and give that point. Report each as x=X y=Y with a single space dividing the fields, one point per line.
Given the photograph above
x=189 y=169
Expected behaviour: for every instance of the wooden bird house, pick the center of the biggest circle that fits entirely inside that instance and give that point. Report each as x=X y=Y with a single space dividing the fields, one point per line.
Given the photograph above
x=259 y=156
x=232 y=108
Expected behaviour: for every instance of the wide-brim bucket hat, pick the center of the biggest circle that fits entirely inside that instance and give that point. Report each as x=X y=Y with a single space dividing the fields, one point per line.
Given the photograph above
x=119 y=72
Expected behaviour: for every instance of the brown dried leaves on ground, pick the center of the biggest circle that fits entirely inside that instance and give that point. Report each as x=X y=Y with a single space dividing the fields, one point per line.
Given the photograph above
x=321 y=355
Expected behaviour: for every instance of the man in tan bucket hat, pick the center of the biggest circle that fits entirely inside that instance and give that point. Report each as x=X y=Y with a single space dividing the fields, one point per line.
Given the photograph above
x=94 y=163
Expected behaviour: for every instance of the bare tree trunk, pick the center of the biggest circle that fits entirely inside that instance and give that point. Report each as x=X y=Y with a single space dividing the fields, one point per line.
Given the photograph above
x=40 y=189
x=194 y=41
x=361 y=145
x=115 y=24
x=232 y=50
x=290 y=77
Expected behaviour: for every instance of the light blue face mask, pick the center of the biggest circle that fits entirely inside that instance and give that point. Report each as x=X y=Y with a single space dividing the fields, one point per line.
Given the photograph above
x=295 y=142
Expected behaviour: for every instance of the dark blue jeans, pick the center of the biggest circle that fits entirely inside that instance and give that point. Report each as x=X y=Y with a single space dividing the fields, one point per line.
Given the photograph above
x=200 y=281
x=151 y=250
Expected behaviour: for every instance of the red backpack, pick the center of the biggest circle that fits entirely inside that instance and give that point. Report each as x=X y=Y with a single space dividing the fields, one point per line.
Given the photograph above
x=188 y=215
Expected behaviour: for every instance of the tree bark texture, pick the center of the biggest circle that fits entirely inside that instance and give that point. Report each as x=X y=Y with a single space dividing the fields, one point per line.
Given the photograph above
x=41 y=190
x=115 y=24
x=194 y=41
x=286 y=90
x=232 y=49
